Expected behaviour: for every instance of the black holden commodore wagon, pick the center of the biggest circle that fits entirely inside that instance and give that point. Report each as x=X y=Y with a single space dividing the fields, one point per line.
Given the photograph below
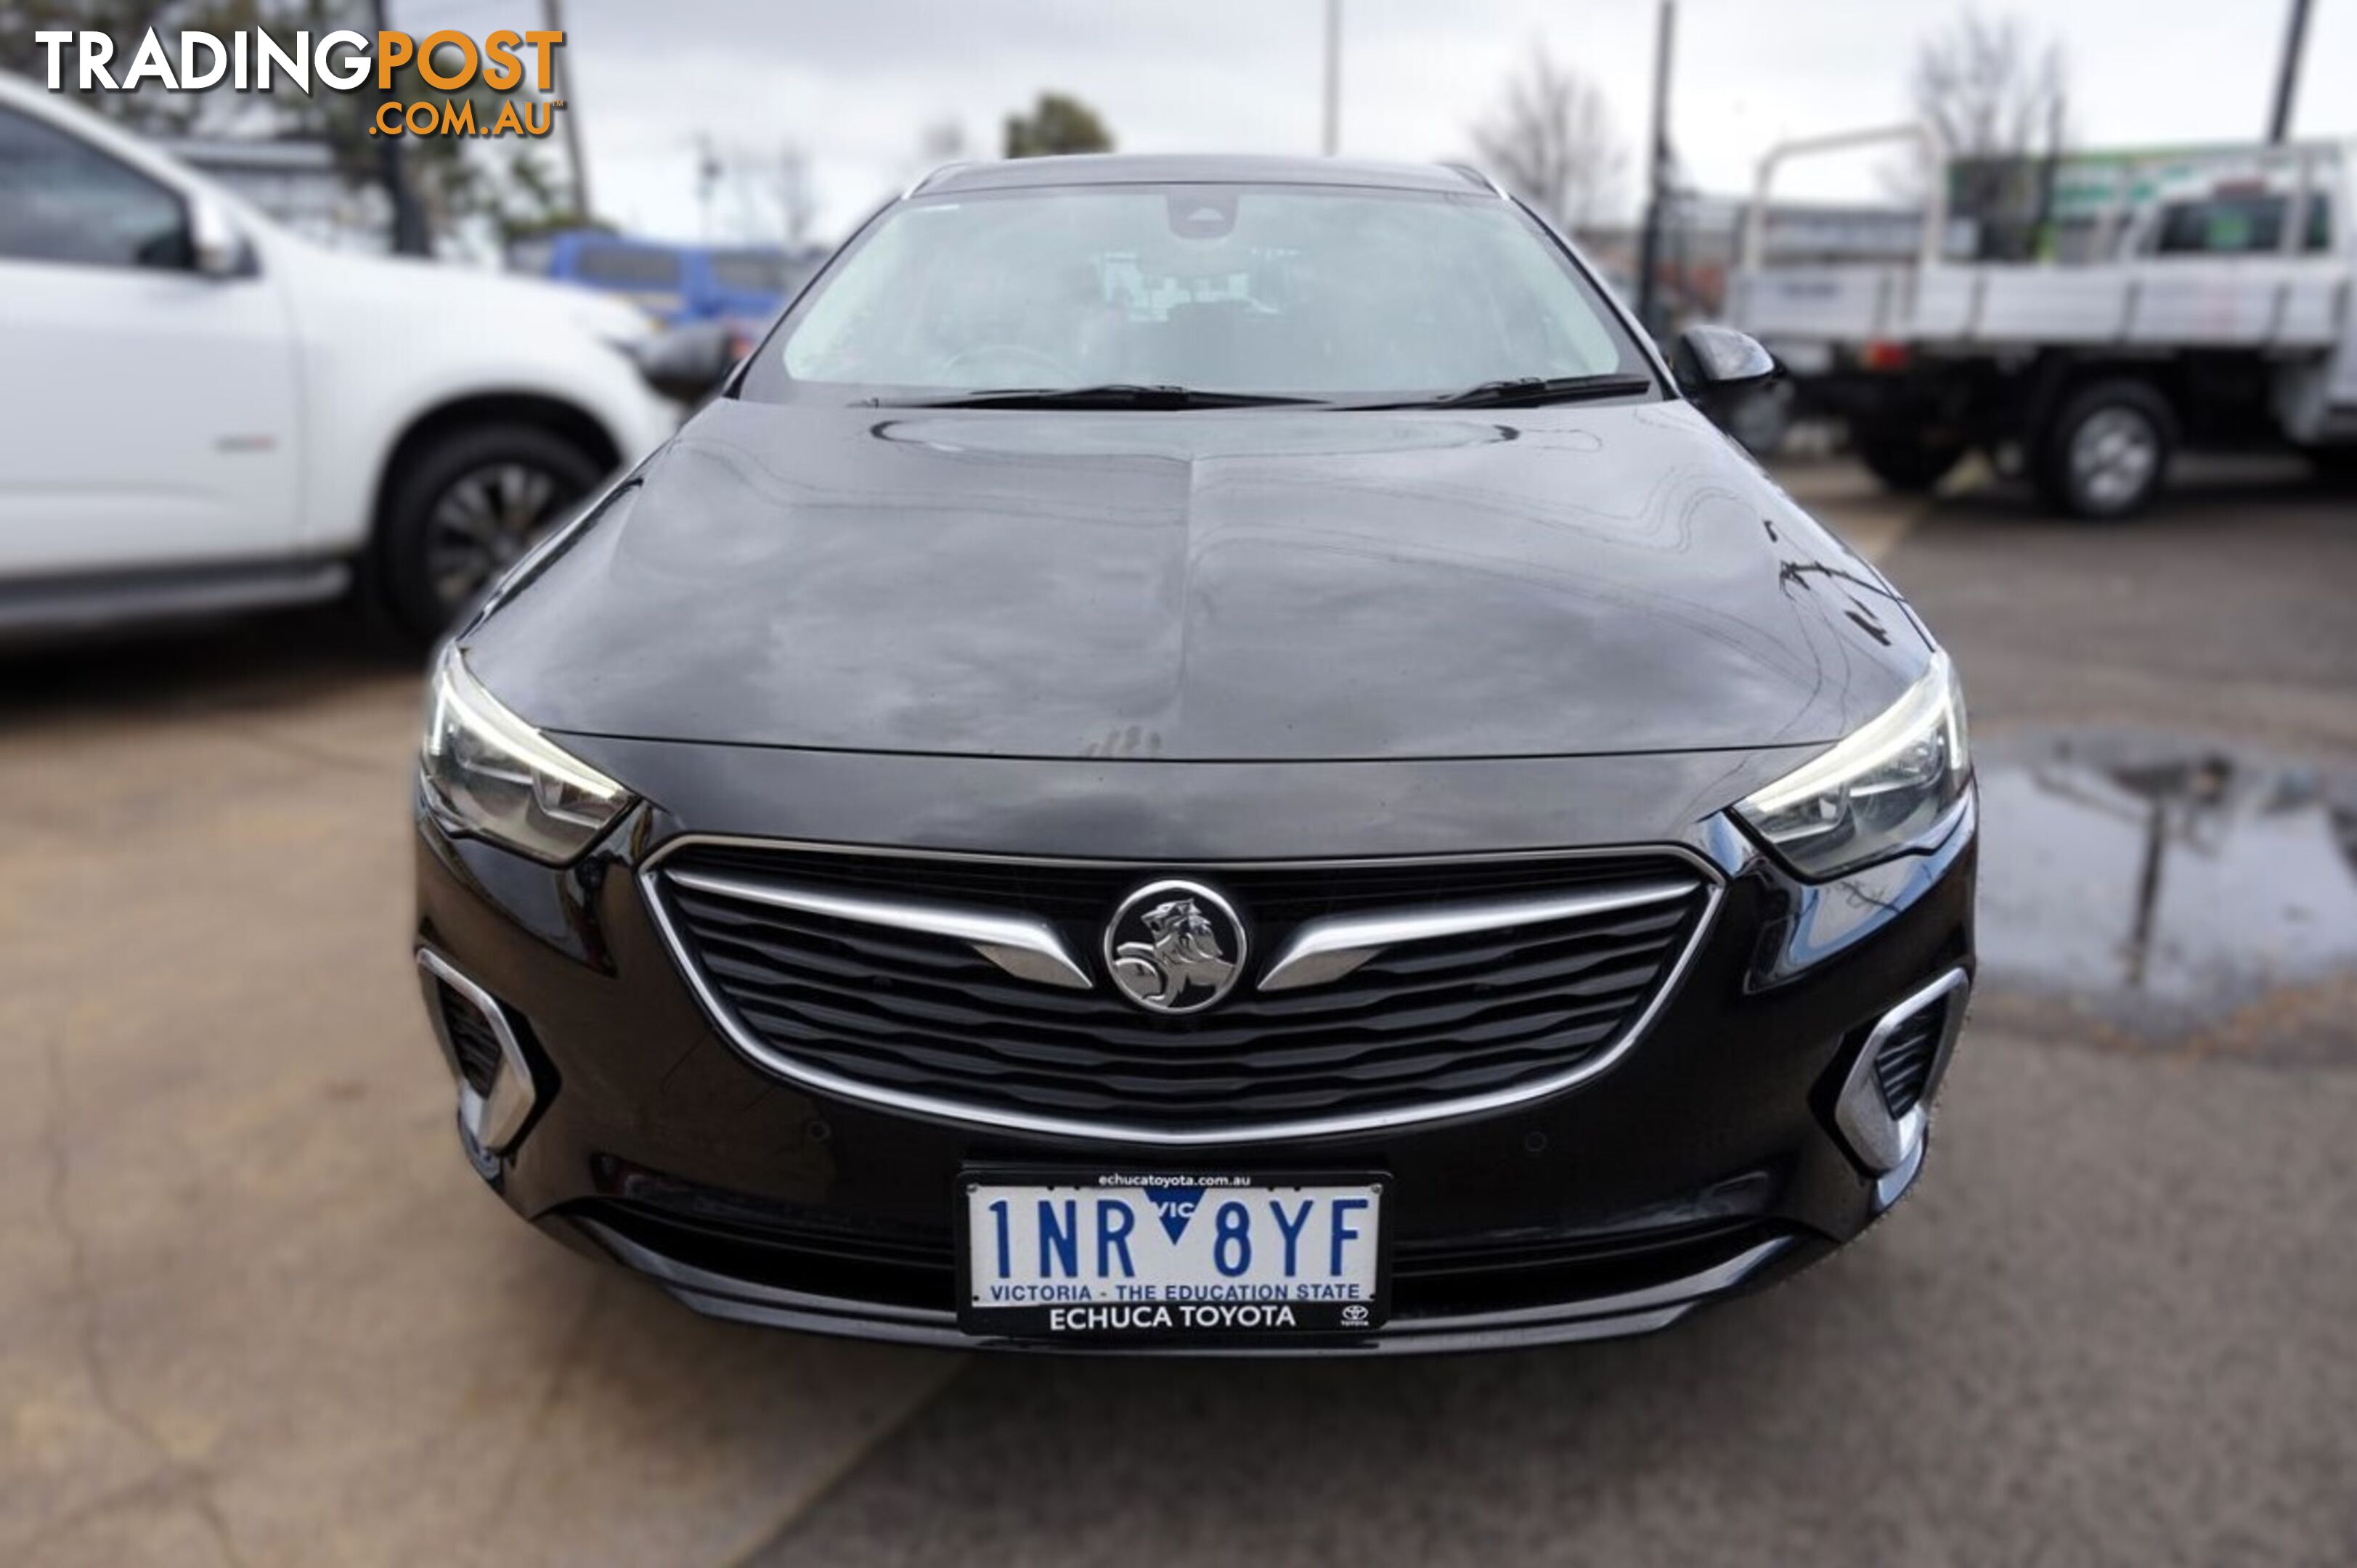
x=1200 y=754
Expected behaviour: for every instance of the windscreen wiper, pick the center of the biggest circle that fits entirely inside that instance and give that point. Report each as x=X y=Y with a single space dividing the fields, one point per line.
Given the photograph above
x=1529 y=391
x=1111 y=394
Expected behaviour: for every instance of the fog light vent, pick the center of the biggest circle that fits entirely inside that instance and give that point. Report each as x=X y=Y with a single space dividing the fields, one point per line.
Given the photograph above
x=496 y=1093
x=1902 y=1068
x=473 y=1040
x=1879 y=1111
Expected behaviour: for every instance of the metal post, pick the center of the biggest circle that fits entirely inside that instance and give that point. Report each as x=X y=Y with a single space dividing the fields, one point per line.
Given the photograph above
x=552 y=15
x=2287 y=75
x=409 y=236
x=1331 y=140
x=708 y=171
x=1648 y=249
x=2050 y=170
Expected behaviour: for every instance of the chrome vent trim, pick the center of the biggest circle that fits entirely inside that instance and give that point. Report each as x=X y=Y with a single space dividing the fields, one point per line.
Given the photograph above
x=1882 y=1142
x=493 y=1117
x=1328 y=949
x=1025 y=947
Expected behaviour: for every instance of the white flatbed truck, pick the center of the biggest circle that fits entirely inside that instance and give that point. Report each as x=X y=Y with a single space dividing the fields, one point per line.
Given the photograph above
x=2202 y=298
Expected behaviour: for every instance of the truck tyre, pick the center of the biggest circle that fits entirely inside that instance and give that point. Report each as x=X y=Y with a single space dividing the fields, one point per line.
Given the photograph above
x=462 y=509
x=2106 y=455
x=1903 y=461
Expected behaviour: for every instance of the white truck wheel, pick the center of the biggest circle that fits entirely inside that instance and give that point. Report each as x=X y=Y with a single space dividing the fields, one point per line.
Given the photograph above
x=2107 y=454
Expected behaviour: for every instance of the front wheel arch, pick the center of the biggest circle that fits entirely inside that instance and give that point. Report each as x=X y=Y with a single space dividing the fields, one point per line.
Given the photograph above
x=436 y=424
x=435 y=428
x=569 y=441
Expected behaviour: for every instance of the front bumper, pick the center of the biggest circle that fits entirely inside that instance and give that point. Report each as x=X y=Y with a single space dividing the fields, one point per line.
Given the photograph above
x=1710 y=1159
x=1639 y=1309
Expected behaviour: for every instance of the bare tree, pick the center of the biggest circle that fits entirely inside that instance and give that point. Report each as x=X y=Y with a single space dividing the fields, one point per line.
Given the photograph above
x=1992 y=90
x=1551 y=142
x=771 y=194
x=1999 y=97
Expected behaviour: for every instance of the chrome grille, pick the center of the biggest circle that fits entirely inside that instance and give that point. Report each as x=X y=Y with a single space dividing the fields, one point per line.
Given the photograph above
x=924 y=1019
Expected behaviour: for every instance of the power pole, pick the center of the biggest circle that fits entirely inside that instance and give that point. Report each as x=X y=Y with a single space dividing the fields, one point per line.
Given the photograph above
x=1331 y=141
x=552 y=18
x=409 y=236
x=1648 y=249
x=708 y=170
x=2287 y=75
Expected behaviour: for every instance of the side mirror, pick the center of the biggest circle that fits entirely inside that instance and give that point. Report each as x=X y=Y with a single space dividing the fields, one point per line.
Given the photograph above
x=686 y=363
x=216 y=247
x=1718 y=359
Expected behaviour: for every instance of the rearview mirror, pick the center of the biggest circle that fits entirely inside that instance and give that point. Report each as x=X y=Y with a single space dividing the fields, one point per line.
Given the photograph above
x=216 y=247
x=1714 y=358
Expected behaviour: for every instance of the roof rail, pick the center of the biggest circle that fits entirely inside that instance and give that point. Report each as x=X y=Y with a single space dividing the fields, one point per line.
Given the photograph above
x=928 y=178
x=1478 y=177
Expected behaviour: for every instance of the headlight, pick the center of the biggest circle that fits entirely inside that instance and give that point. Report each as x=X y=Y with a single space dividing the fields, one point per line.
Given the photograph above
x=1877 y=792
x=498 y=779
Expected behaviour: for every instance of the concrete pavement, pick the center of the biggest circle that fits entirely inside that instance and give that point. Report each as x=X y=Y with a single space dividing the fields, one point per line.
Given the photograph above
x=2113 y=1326
x=253 y=1307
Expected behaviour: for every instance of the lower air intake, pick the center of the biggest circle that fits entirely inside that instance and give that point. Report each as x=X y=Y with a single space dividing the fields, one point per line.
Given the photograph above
x=1902 y=1068
x=472 y=1038
x=495 y=1084
x=1879 y=1110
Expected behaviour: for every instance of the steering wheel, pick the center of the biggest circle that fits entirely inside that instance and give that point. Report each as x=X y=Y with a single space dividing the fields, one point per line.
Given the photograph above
x=1058 y=373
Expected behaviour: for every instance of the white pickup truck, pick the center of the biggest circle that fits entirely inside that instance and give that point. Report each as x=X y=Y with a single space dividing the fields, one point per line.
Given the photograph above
x=2204 y=298
x=200 y=412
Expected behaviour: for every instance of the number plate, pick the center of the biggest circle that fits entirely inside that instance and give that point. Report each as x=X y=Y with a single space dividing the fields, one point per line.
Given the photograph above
x=1067 y=1255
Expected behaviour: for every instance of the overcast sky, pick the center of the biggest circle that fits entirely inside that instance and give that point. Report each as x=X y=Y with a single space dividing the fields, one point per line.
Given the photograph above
x=856 y=81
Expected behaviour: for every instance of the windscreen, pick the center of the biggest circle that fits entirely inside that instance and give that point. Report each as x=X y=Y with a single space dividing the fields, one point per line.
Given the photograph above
x=1284 y=290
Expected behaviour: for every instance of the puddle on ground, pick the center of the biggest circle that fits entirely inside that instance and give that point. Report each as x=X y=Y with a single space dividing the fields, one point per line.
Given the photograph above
x=2157 y=890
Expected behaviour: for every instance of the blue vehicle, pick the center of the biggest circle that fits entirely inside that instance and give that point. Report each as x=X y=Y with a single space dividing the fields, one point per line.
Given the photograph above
x=744 y=286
